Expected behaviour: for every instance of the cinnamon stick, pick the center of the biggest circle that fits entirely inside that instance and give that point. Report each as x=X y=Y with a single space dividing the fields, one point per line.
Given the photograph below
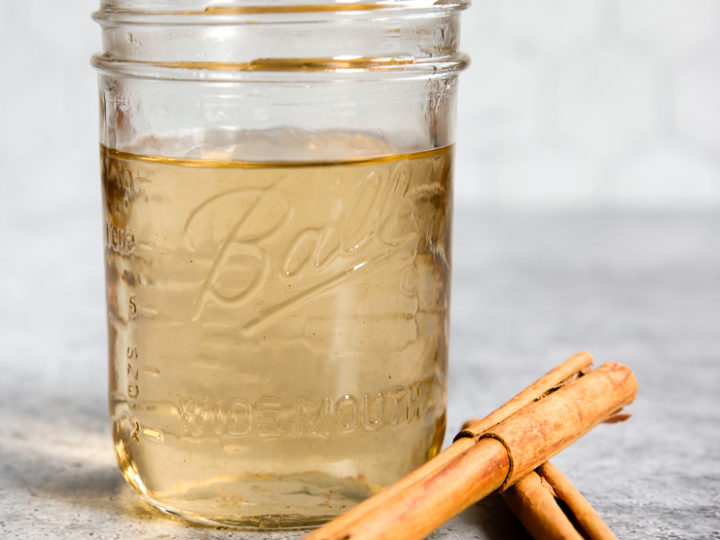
x=590 y=523
x=535 y=501
x=540 y=430
x=534 y=504
x=501 y=456
x=568 y=370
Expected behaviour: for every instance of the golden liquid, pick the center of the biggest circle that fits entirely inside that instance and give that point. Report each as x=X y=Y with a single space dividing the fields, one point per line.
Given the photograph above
x=277 y=331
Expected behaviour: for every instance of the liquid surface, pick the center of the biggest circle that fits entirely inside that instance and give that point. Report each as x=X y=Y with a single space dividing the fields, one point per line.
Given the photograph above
x=277 y=331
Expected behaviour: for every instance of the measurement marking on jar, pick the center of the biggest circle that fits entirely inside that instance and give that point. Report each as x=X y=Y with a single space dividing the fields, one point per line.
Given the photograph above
x=135 y=433
x=133 y=374
x=144 y=244
x=136 y=309
x=153 y=435
x=148 y=311
x=121 y=241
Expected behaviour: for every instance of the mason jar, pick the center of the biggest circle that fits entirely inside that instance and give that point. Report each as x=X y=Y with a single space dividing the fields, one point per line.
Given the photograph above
x=277 y=181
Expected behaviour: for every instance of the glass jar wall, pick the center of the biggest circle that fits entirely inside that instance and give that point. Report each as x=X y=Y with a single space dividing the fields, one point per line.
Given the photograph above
x=277 y=205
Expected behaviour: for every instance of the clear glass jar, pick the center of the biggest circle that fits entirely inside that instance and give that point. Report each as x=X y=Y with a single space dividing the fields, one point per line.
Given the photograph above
x=277 y=209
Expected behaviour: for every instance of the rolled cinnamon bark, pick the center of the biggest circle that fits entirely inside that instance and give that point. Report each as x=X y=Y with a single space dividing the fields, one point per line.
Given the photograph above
x=534 y=500
x=570 y=369
x=540 y=430
x=535 y=506
x=588 y=521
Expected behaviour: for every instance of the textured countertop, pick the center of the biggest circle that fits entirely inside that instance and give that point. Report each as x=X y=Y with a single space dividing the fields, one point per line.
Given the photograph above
x=528 y=291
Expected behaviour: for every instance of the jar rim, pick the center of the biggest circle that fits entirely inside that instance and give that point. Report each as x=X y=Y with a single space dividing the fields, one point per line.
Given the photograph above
x=212 y=40
x=238 y=11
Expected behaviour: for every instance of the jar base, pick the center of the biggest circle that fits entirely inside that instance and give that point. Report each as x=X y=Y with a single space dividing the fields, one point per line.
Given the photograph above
x=286 y=522
x=278 y=502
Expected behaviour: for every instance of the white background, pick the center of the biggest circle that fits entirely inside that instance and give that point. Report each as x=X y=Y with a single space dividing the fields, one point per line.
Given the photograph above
x=592 y=103
x=568 y=104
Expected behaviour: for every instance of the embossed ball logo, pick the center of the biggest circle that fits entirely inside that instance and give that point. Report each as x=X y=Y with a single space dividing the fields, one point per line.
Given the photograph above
x=364 y=229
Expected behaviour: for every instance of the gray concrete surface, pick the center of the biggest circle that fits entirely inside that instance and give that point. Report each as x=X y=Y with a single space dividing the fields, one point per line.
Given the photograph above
x=528 y=291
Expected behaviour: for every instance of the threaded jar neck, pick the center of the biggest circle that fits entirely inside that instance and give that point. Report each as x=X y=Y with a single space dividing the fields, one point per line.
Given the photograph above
x=278 y=40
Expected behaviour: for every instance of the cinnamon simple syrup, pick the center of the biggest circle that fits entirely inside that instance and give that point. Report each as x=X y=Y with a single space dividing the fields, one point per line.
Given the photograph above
x=277 y=329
